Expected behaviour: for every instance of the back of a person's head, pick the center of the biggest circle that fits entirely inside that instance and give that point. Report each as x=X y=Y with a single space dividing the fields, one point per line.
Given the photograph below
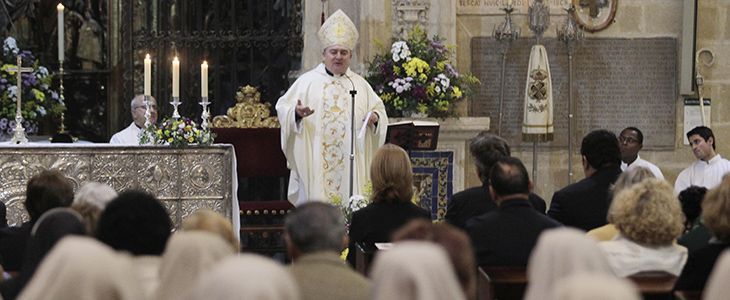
x=631 y=177
x=704 y=132
x=391 y=175
x=456 y=243
x=716 y=210
x=243 y=277
x=315 y=226
x=47 y=190
x=717 y=287
x=90 y=200
x=487 y=149
x=595 y=287
x=188 y=255
x=413 y=270
x=691 y=199
x=208 y=220
x=85 y=269
x=647 y=213
x=601 y=149
x=559 y=253
x=509 y=177
x=136 y=222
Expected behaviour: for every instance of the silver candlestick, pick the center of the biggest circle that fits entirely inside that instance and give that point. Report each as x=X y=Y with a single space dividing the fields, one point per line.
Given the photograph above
x=175 y=103
x=570 y=33
x=505 y=33
x=205 y=114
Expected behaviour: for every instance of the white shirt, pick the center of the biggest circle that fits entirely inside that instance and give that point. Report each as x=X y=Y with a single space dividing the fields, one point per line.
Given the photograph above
x=627 y=258
x=317 y=148
x=702 y=173
x=644 y=164
x=128 y=136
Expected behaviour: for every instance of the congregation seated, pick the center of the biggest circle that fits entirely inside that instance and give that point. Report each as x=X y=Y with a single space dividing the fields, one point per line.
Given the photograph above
x=559 y=254
x=391 y=207
x=584 y=204
x=90 y=200
x=44 y=191
x=245 y=277
x=83 y=268
x=213 y=222
x=696 y=235
x=136 y=222
x=716 y=216
x=454 y=241
x=188 y=255
x=486 y=149
x=315 y=235
x=414 y=270
x=649 y=219
x=506 y=236
x=626 y=179
x=47 y=231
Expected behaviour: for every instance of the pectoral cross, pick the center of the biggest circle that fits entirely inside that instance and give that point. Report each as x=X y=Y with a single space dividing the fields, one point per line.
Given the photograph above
x=19 y=135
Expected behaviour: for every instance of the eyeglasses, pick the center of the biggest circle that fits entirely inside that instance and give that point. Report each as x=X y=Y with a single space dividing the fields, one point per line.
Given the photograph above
x=627 y=139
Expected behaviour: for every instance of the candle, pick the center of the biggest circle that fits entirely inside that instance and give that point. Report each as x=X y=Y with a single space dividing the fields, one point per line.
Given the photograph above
x=204 y=79
x=509 y=2
x=60 y=32
x=147 y=75
x=175 y=77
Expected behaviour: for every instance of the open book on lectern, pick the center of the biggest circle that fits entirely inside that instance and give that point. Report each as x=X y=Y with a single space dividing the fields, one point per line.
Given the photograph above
x=413 y=135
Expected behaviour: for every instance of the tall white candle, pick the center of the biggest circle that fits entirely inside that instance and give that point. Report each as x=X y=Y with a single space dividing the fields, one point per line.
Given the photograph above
x=61 y=36
x=175 y=77
x=147 y=75
x=204 y=79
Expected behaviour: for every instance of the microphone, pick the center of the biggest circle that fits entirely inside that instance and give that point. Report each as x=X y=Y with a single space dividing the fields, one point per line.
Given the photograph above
x=353 y=92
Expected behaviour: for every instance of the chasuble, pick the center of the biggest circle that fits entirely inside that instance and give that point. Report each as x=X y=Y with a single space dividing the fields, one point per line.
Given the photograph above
x=317 y=147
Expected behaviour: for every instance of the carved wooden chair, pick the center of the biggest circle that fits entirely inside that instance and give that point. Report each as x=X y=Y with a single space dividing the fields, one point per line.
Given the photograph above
x=501 y=282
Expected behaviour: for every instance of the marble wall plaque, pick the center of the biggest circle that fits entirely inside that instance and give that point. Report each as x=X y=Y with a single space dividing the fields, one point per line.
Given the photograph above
x=617 y=83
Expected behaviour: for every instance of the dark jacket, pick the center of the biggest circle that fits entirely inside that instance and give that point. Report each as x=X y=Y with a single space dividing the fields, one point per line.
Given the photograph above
x=506 y=236
x=377 y=221
x=476 y=201
x=584 y=204
x=699 y=266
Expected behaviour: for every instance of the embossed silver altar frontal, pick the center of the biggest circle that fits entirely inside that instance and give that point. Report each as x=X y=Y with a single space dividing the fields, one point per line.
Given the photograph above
x=184 y=179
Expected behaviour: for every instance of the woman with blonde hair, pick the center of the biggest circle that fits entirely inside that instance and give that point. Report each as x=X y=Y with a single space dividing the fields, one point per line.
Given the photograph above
x=649 y=219
x=392 y=178
x=213 y=222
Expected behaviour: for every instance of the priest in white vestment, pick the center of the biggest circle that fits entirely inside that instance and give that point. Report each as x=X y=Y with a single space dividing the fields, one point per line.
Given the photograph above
x=315 y=121
x=709 y=168
x=131 y=134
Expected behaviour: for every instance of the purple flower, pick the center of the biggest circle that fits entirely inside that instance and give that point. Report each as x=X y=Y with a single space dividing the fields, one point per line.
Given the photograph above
x=451 y=70
x=420 y=93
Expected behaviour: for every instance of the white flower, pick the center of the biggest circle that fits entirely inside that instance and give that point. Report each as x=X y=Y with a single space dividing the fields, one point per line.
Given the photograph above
x=445 y=82
x=41 y=110
x=438 y=89
x=42 y=72
x=401 y=85
x=10 y=45
x=400 y=50
x=356 y=202
x=12 y=90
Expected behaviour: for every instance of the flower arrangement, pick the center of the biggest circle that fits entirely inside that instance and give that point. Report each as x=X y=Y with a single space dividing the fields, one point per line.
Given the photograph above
x=417 y=76
x=39 y=98
x=176 y=133
x=355 y=203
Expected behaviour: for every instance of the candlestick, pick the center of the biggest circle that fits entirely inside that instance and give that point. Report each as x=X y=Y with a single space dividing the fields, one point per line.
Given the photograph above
x=175 y=77
x=147 y=75
x=60 y=32
x=204 y=80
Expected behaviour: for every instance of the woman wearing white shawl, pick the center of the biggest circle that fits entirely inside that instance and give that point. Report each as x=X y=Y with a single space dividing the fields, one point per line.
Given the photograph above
x=187 y=255
x=717 y=287
x=558 y=254
x=82 y=268
x=416 y=271
x=245 y=277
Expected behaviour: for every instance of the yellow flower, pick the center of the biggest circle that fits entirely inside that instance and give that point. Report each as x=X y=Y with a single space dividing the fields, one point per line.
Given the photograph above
x=440 y=65
x=416 y=66
x=422 y=108
x=396 y=70
x=422 y=78
x=169 y=140
x=38 y=95
x=386 y=97
x=457 y=92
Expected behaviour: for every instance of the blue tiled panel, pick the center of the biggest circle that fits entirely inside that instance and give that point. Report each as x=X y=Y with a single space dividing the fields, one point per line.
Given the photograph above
x=433 y=173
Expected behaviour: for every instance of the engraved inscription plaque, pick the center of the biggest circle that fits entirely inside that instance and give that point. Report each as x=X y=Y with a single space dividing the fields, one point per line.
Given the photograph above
x=617 y=83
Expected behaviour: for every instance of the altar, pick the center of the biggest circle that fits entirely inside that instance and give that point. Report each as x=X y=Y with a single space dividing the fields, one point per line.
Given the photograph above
x=183 y=179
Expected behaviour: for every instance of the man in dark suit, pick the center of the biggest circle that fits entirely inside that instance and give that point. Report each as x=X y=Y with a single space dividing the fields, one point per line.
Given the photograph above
x=486 y=149
x=584 y=204
x=506 y=236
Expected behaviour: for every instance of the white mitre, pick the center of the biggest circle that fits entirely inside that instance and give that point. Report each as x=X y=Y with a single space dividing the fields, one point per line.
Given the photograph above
x=338 y=30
